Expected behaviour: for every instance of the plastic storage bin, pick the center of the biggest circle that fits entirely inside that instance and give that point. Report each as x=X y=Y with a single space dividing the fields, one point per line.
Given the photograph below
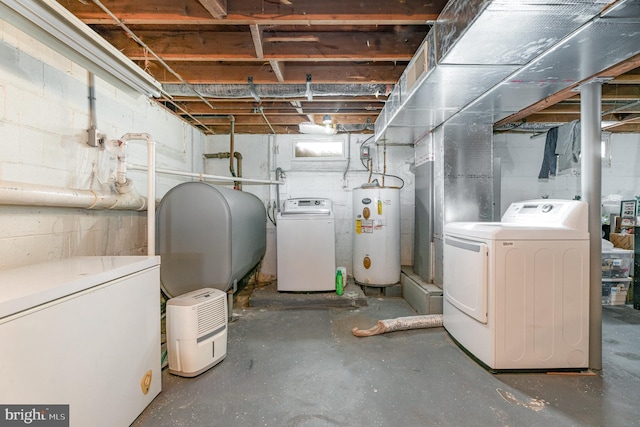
x=616 y=263
x=614 y=291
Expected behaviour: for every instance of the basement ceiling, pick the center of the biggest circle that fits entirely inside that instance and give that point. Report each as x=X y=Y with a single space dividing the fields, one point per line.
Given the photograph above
x=273 y=64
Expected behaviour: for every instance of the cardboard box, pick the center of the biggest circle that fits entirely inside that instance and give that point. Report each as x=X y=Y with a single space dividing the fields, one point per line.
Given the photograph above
x=615 y=291
x=622 y=241
x=618 y=295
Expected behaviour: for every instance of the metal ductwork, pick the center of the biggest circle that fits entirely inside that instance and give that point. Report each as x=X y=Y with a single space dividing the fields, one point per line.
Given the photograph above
x=275 y=91
x=484 y=60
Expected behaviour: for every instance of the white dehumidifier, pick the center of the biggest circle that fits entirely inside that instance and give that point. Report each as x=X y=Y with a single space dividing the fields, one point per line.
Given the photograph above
x=196 y=331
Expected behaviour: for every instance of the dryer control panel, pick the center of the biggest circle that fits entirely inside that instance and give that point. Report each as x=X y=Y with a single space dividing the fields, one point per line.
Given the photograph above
x=553 y=212
x=307 y=206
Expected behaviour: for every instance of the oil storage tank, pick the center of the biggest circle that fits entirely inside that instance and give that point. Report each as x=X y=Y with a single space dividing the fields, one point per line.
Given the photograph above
x=208 y=237
x=376 y=238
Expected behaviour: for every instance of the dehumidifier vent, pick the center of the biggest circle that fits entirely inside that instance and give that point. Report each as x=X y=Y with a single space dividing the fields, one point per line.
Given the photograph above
x=211 y=316
x=196 y=331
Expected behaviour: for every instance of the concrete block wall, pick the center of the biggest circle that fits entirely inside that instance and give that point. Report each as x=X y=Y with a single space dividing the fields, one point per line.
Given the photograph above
x=44 y=115
x=304 y=178
x=521 y=158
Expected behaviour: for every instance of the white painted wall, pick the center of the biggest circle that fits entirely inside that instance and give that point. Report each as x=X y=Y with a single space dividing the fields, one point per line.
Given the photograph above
x=262 y=154
x=44 y=114
x=521 y=158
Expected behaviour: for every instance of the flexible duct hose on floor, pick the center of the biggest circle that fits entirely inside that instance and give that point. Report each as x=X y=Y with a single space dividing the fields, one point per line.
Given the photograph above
x=401 y=324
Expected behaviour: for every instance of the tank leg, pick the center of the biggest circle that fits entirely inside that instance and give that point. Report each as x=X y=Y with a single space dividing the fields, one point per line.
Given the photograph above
x=230 y=293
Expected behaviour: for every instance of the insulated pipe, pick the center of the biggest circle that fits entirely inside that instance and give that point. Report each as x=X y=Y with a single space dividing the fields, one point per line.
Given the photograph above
x=23 y=194
x=151 y=186
x=591 y=182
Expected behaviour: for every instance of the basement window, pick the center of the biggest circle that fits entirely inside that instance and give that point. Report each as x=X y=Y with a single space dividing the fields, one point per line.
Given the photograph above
x=318 y=150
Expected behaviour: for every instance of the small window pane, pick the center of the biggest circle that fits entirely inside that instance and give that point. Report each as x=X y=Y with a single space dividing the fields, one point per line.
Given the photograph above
x=318 y=150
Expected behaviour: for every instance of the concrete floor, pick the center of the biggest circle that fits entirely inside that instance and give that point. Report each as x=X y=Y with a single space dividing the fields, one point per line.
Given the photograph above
x=303 y=367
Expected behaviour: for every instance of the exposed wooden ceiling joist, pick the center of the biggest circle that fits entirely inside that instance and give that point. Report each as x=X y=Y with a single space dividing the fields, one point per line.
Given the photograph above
x=294 y=73
x=283 y=42
x=614 y=71
x=192 y=45
x=244 y=12
x=217 y=8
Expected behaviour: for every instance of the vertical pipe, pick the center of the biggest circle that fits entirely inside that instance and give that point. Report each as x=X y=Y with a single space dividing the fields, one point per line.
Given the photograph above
x=231 y=144
x=384 y=162
x=151 y=186
x=238 y=157
x=591 y=181
x=151 y=196
x=93 y=120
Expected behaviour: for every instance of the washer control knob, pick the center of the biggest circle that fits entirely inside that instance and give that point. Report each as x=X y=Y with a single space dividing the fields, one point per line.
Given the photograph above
x=546 y=208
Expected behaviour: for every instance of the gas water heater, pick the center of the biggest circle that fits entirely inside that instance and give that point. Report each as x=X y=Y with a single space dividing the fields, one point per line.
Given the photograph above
x=376 y=236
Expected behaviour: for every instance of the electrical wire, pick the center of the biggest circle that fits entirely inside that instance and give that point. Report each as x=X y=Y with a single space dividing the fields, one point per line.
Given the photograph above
x=377 y=173
x=361 y=159
x=166 y=66
x=269 y=215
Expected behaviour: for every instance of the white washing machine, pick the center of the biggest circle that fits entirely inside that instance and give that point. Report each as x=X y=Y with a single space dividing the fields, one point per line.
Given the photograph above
x=516 y=292
x=306 y=245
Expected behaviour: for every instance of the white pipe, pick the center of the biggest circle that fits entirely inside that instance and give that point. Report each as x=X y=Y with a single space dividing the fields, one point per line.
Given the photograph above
x=202 y=176
x=151 y=186
x=22 y=194
x=121 y=155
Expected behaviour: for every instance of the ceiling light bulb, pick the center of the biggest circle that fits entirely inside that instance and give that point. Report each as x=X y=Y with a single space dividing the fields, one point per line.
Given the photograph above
x=326 y=120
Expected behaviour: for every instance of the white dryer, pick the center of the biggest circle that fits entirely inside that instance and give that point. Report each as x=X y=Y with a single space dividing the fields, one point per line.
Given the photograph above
x=306 y=246
x=516 y=292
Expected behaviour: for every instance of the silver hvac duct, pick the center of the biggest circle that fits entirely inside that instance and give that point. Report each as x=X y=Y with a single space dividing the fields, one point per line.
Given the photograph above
x=484 y=60
x=275 y=91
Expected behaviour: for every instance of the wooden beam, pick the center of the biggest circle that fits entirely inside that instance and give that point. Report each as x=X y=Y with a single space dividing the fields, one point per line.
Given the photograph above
x=614 y=71
x=631 y=119
x=626 y=128
x=256 y=35
x=281 y=120
x=243 y=12
x=244 y=46
x=237 y=73
x=249 y=107
x=277 y=68
x=292 y=39
x=217 y=8
x=630 y=78
x=371 y=99
x=259 y=130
